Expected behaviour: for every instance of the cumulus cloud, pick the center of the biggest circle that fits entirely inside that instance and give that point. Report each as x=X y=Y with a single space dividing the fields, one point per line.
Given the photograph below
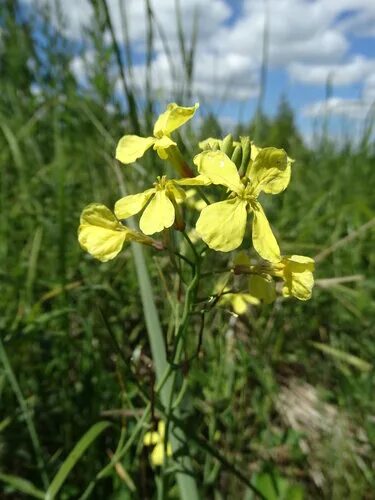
x=355 y=109
x=308 y=39
x=353 y=71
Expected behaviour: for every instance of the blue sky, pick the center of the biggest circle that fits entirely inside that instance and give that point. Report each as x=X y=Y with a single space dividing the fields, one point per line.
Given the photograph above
x=309 y=41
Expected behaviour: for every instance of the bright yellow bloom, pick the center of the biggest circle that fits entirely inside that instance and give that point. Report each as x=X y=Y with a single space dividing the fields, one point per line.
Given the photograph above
x=160 y=202
x=222 y=225
x=102 y=235
x=297 y=273
x=132 y=147
x=156 y=438
x=295 y=270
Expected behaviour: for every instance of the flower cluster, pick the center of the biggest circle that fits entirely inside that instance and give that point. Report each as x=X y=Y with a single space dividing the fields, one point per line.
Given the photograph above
x=236 y=175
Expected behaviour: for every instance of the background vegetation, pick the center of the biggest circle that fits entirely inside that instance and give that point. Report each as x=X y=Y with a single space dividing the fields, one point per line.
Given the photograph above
x=285 y=393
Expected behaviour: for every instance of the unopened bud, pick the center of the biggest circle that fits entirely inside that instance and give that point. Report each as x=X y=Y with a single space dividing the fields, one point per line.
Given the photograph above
x=246 y=153
x=237 y=156
x=227 y=145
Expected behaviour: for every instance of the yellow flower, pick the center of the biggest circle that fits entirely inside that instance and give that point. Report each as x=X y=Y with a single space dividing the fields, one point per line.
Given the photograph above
x=132 y=147
x=102 y=235
x=156 y=438
x=297 y=273
x=222 y=225
x=161 y=201
x=261 y=284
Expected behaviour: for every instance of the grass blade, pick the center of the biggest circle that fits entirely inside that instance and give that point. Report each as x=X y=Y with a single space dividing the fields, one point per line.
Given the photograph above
x=26 y=413
x=186 y=482
x=22 y=485
x=343 y=356
x=86 y=440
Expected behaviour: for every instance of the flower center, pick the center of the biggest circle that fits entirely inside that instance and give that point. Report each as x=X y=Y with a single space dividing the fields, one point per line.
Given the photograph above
x=161 y=183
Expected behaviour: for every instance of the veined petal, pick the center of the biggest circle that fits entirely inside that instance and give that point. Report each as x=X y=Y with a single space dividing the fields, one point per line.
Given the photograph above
x=219 y=169
x=161 y=145
x=262 y=287
x=270 y=171
x=264 y=240
x=299 y=262
x=298 y=276
x=222 y=225
x=173 y=118
x=158 y=215
x=132 y=147
x=100 y=233
x=132 y=204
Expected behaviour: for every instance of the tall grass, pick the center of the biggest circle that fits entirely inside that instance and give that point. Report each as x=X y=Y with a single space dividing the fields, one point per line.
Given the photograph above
x=68 y=323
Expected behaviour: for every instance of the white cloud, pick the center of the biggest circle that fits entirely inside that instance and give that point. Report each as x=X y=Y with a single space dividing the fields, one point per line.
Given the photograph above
x=353 y=71
x=356 y=109
x=307 y=38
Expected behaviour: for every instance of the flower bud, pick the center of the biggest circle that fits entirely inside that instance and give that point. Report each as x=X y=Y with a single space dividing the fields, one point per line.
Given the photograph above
x=227 y=145
x=237 y=156
x=246 y=153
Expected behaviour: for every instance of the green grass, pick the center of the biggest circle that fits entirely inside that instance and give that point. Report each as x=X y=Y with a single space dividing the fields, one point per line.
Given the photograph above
x=262 y=394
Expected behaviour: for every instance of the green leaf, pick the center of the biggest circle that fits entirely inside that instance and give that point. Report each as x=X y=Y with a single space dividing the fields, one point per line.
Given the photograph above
x=20 y=484
x=86 y=440
x=275 y=487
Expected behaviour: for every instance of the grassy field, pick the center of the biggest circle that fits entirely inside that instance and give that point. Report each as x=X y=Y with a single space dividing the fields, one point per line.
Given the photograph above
x=284 y=394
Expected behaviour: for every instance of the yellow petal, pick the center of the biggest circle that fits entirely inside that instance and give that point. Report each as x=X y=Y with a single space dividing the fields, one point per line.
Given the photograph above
x=222 y=225
x=262 y=287
x=132 y=147
x=175 y=192
x=219 y=169
x=100 y=233
x=132 y=204
x=161 y=146
x=199 y=180
x=264 y=240
x=241 y=301
x=254 y=151
x=298 y=276
x=161 y=429
x=173 y=118
x=158 y=215
x=299 y=262
x=151 y=438
x=271 y=170
x=157 y=455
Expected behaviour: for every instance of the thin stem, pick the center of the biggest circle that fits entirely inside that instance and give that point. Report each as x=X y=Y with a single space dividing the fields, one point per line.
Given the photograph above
x=127 y=91
x=191 y=244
